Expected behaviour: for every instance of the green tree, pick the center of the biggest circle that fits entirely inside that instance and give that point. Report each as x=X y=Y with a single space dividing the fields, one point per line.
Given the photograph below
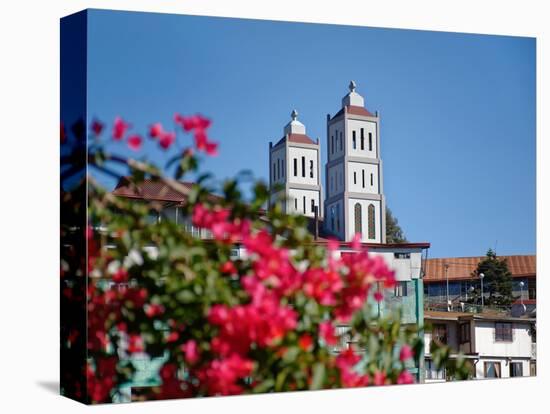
x=394 y=233
x=497 y=280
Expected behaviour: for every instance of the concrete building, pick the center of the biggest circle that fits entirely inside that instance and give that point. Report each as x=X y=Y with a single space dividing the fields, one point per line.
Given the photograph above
x=498 y=346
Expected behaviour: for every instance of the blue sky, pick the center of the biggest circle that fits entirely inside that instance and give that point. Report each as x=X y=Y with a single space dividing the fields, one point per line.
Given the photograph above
x=457 y=110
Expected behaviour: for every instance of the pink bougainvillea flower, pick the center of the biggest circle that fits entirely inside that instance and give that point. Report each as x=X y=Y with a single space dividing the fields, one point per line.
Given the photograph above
x=97 y=127
x=191 y=351
x=120 y=276
x=198 y=125
x=228 y=267
x=378 y=296
x=326 y=332
x=156 y=130
x=172 y=336
x=153 y=310
x=305 y=342
x=134 y=142
x=135 y=344
x=211 y=148
x=405 y=353
x=405 y=377
x=166 y=139
x=379 y=378
x=120 y=128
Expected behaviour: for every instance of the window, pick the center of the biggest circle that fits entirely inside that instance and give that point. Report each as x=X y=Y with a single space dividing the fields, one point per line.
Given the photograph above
x=295 y=167
x=358 y=218
x=372 y=230
x=491 y=369
x=431 y=371
x=439 y=333
x=516 y=369
x=338 y=217
x=278 y=168
x=464 y=333
x=295 y=204
x=283 y=169
x=303 y=166
x=371 y=179
x=532 y=288
x=503 y=332
x=332 y=144
x=400 y=289
x=363 y=177
x=362 y=138
x=402 y=255
x=353 y=140
x=304 y=204
x=312 y=206
x=370 y=141
x=341 y=141
x=332 y=218
x=274 y=172
x=311 y=169
x=355 y=177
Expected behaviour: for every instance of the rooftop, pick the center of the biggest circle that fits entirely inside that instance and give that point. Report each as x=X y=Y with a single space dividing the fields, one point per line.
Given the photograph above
x=461 y=268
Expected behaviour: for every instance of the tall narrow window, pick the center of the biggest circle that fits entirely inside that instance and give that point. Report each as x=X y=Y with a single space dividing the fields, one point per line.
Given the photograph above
x=355 y=177
x=358 y=218
x=337 y=217
x=335 y=140
x=353 y=140
x=312 y=206
x=371 y=179
x=296 y=205
x=283 y=170
x=363 y=177
x=370 y=141
x=372 y=230
x=332 y=144
x=341 y=141
x=278 y=168
x=303 y=166
x=274 y=172
x=295 y=167
x=311 y=169
x=304 y=204
x=332 y=218
x=362 y=138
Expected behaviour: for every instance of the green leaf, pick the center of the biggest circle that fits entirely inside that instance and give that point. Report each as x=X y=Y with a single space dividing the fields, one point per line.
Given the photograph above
x=318 y=376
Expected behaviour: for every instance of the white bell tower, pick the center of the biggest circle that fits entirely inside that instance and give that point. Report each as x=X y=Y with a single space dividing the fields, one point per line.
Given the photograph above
x=294 y=166
x=355 y=200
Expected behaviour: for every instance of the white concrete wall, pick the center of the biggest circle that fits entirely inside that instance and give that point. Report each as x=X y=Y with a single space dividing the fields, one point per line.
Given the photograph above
x=334 y=131
x=335 y=180
x=358 y=168
x=364 y=220
x=356 y=125
x=296 y=201
x=278 y=156
x=298 y=153
x=487 y=346
x=452 y=335
x=405 y=269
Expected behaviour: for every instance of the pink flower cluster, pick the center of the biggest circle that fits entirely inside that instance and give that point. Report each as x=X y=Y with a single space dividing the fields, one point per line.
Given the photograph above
x=221 y=376
x=198 y=125
x=219 y=223
x=346 y=362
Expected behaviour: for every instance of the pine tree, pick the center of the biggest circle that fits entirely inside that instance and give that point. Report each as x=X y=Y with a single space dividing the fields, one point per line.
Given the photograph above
x=497 y=281
x=394 y=233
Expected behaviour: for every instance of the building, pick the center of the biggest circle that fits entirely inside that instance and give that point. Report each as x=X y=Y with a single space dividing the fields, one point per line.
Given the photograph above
x=457 y=272
x=294 y=167
x=498 y=346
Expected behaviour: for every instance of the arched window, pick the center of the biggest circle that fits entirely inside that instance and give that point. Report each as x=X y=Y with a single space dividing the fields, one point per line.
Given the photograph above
x=372 y=230
x=358 y=219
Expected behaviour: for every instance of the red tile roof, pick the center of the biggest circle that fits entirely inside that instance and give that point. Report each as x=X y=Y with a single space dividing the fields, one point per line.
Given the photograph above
x=151 y=189
x=461 y=268
x=298 y=138
x=353 y=110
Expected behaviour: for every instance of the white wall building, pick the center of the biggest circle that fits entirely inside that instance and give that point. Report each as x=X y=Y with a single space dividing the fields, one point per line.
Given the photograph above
x=499 y=346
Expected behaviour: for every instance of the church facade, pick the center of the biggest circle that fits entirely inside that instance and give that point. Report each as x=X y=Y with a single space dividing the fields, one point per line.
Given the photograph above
x=354 y=200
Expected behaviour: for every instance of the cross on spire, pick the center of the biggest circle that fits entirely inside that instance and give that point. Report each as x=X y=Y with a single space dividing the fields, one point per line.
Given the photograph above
x=294 y=114
x=352 y=86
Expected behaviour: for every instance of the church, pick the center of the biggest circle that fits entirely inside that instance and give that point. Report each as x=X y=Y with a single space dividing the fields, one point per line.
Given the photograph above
x=354 y=201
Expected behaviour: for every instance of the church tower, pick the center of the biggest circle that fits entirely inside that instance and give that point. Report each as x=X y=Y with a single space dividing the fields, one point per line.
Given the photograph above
x=294 y=166
x=355 y=200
